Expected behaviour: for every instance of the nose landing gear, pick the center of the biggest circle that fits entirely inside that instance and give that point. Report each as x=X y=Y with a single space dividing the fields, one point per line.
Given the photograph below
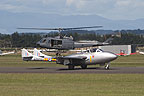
x=107 y=66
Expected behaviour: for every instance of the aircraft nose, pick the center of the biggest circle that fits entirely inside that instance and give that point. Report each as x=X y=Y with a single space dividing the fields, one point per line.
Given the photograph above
x=112 y=56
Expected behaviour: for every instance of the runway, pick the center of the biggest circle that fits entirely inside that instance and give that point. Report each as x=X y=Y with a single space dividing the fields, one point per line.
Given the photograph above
x=91 y=70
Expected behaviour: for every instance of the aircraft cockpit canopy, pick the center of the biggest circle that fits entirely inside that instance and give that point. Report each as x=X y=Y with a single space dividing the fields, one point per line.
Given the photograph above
x=96 y=50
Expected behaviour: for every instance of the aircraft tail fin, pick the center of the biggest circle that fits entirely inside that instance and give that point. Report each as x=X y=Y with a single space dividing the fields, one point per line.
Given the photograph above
x=25 y=53
x=109 y=40
x=39 y=54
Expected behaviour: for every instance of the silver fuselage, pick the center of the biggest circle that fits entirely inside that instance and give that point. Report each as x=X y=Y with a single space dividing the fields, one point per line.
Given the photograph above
x=96 y=57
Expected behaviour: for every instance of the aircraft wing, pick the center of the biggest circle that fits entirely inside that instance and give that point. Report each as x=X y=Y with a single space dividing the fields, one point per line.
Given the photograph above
x=67 y=59
x=77 y=57
x=141 y=53
x=7 y=53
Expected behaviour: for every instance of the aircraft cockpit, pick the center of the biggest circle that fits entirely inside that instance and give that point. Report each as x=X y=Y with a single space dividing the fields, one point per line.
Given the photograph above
x=43 y=40
x=94 y=50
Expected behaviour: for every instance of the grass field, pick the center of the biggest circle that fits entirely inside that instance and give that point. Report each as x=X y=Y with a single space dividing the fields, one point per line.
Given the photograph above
x=33 y=84
x=133 y=60
x=71 y=85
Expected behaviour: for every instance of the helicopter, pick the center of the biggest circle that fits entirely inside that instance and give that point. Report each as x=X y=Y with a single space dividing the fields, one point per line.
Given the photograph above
x=66 y=43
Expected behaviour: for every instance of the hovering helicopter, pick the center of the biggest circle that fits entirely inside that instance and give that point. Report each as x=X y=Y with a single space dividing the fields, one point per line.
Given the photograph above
x=66 y=43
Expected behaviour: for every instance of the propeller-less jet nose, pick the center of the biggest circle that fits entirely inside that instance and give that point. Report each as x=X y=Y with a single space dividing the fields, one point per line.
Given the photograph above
x=112 y=56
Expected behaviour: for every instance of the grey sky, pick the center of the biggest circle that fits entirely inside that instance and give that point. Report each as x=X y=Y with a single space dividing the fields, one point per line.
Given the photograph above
x=113 y=9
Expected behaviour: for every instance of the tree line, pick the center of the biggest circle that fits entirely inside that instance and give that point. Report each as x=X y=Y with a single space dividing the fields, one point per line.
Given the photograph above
x=17 y=40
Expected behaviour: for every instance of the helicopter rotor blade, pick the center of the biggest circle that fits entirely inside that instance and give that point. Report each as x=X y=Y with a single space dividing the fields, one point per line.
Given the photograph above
x=40 y=28
x=82 y=28
x=61 y=28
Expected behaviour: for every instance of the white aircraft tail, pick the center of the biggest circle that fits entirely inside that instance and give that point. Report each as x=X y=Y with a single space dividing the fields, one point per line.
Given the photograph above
x=39 y=54
x=25 y=53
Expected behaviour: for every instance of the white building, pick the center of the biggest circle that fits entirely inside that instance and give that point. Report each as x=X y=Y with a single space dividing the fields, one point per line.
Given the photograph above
x=127 y=49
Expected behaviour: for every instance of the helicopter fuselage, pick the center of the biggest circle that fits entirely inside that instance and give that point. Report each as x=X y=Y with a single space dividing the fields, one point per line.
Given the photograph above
x=54 y=43
x=66 y=43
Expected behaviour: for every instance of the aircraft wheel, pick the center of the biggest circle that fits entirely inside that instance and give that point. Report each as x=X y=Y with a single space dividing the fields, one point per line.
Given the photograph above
x=71 y=67
x=107 y=67
x=83 y=66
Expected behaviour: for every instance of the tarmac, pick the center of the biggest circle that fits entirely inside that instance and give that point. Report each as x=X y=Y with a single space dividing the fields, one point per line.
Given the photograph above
x=90 y=70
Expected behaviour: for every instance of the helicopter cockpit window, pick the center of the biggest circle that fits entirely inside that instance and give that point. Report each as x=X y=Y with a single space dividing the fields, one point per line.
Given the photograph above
x=42 y=40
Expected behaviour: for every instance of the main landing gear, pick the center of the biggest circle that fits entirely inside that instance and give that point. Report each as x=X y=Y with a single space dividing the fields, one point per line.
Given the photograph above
x=58 y=54
x=84 y=66
x=71 y=67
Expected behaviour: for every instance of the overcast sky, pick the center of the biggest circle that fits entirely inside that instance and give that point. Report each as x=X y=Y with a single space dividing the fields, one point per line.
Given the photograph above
x=112 y=9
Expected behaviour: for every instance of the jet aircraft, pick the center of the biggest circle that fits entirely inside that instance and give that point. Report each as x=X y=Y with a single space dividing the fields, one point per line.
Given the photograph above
x=90 y=57
x=2 y=54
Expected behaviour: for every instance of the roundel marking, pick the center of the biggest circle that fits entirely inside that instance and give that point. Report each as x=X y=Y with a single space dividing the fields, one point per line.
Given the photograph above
x=93 y=56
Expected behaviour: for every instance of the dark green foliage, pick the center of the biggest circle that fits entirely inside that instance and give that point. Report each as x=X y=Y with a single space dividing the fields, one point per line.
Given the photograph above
x=128 y=38
x=5 y=40
x=19 y=40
